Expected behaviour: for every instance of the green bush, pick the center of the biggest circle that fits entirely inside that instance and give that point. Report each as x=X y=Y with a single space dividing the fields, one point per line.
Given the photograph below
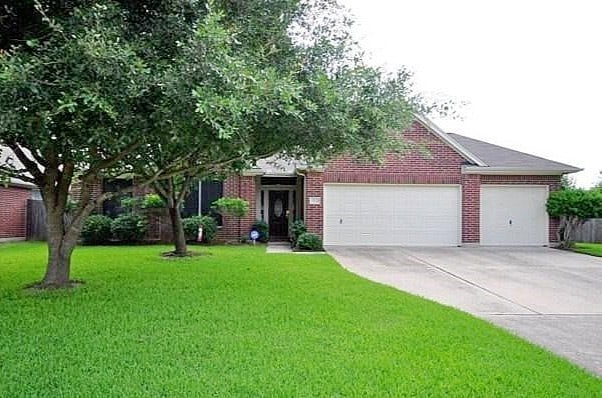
x=234 y=207
x=152 y=201
x=573 y=207
x=129 y=203
x=96 y=229
x=191 y=227
x=309 y=241
x=263 y=229
x=298 y=228
x=129 y=228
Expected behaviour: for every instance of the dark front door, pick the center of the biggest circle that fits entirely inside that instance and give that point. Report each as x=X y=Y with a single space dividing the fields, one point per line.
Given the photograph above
x=278 y=219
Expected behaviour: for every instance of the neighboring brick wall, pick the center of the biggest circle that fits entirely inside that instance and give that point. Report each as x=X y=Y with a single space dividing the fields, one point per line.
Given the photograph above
x=244 y=187
x=13 y=212
x=471 y=207
x=553 y=182
x=314 y=213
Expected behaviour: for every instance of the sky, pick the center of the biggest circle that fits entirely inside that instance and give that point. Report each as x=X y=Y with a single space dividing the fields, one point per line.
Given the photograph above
x=530 y=71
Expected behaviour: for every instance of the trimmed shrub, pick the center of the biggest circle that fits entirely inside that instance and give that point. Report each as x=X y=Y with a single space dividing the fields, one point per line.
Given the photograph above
x=96 y=229
x=263 y=229
x=234 y=207
x=309 y=241
x=298 y=228
x=130 y=203
x=191 y=227
x=129 y=228
x=152 y=201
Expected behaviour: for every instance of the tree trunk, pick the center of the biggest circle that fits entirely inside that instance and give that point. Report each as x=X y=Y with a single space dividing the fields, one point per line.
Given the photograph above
x=62 y=240
x=177 y=227
x=568 y=225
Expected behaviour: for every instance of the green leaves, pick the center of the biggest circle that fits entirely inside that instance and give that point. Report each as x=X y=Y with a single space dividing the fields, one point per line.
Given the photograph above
x=579 y=203
x=234 y=207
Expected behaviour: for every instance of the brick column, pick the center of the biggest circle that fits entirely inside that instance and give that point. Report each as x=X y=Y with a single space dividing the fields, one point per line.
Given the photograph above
x=248 y=192
x=229 y=230
x=471 y=208
x=244 y=187
x=314 y=188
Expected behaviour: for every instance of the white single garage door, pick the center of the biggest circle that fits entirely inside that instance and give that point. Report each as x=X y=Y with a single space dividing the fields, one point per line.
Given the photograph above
x=410 y=215
x=514 y=215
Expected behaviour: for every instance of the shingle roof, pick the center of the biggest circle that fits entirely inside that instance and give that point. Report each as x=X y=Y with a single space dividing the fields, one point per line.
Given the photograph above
x=498 y=156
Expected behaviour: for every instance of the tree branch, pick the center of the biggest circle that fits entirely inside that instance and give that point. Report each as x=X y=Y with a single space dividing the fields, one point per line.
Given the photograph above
x=184 y=191
x=110 y=162
x=30 y=165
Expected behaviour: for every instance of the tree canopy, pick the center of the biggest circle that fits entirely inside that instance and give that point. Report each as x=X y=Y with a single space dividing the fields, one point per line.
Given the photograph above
x=169 y=89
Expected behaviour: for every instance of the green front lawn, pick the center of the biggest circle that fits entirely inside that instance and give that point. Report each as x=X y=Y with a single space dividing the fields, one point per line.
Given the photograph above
x=239 y=322
x=594 y=249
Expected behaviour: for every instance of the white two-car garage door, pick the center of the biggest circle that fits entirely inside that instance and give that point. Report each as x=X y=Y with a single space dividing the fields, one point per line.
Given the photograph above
x=410 y=215
x=514 y=215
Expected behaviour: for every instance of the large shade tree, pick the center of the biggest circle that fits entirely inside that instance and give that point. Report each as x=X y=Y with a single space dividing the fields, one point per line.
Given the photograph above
x=269 y=99
x=175 y=89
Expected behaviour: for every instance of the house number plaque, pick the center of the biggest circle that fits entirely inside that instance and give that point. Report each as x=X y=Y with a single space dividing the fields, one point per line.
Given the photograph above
x=315 y=200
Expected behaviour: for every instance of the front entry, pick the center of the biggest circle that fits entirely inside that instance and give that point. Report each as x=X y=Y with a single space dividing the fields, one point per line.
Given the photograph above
x=278 y=218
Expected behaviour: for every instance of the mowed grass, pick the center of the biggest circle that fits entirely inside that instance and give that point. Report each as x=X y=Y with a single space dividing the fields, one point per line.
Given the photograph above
x=594 y=249
x=240 y=323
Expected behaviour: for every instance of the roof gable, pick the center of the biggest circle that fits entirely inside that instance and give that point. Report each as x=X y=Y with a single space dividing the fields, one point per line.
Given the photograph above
x=443 y=136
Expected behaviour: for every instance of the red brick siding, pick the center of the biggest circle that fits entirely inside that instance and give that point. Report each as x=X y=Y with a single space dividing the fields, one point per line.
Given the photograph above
x=13 y=212
x=471 y=207
x=75 y=192
x=314 y=187
x=553 y=182
x=244 y=187
x=431 y=161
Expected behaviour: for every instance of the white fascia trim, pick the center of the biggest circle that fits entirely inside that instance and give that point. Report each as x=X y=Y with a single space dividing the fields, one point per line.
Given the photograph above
x=448 y=140
x=253 y=172
x=14 y=182
x=512 y=171
x=305 y=169
x=293 y=174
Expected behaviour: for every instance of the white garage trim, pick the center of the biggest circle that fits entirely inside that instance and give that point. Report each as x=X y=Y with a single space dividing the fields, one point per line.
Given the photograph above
x=392 y=214
x=514 y=215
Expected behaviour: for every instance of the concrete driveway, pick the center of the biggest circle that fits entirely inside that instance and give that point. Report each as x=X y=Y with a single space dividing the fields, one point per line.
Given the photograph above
x=547 y=296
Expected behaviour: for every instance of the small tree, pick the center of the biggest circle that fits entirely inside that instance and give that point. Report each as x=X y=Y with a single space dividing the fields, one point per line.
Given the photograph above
x=232 y=207
x=573 y=207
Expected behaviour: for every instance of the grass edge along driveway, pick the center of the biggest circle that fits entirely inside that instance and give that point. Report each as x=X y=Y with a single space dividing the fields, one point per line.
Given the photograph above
x=239 y=322
x=593 y=249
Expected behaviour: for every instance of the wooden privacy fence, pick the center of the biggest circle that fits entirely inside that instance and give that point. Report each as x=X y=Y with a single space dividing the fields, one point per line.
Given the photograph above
x=36 y=220
x=590 y=231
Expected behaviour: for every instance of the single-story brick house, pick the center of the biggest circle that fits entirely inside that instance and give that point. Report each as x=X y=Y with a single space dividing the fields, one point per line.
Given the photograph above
x=13 y=203
x=460 y=191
